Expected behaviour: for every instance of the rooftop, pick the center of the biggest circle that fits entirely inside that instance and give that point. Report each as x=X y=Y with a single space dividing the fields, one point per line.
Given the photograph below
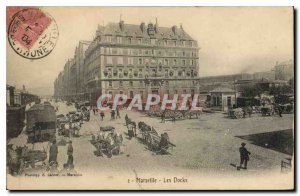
x=222 y=90
x=143 y=30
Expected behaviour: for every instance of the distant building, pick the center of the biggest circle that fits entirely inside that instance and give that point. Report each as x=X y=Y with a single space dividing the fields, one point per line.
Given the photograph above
x=223 y=98
x=284 y=70
x=269 y=75
x=69 y=84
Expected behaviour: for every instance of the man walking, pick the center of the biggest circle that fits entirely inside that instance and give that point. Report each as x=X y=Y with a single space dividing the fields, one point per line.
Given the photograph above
x=113 y=114
x=102 y=115
x=279 y=111
x=118 y=113
x=53 y=153
x=244 y=154
x=70 y=155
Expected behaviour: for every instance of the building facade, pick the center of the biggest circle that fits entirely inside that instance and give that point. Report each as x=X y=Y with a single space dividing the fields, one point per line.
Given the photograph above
x=284 y=70
x=130 y=59
x=69 y=84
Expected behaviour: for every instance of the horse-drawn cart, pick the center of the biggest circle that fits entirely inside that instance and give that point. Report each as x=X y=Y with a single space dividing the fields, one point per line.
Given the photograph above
x=159 y=144
x=107 y=142
x=267 y=110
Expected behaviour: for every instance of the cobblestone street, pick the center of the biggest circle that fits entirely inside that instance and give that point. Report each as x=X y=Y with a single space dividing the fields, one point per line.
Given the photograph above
x=207 y=143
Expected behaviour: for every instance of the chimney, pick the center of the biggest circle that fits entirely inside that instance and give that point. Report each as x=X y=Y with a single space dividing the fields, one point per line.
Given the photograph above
x=156 y=26
x=121 y=25
x=142 y=27
x=174 y=29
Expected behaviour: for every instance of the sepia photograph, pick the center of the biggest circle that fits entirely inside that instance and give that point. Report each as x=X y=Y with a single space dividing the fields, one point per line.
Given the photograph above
x=150 y=98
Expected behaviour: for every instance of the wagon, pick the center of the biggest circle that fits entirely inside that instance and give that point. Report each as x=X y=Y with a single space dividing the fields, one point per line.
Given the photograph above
x=107 y=143
x=159 y=144
x=267 y=111
x=107 y=128
x=30 y=157
x=150 y=137
x=236 y=113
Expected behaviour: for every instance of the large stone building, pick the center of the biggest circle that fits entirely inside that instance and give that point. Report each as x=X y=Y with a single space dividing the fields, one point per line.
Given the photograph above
x=129 y=59
x=70 y=82
x=284 y=70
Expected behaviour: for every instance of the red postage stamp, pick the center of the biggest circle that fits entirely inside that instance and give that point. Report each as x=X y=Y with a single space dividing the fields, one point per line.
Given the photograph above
x=32 y=33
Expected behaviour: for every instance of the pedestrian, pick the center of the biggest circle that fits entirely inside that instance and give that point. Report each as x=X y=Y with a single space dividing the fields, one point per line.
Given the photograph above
x=163 y=117
x=279 y=111
x=244 y=154
x=102 y=115
x=130 y=130
x=134 y=128
x=113 y=114
x=53 y=153
x=118 y=113
x=94 y=111
x=13 y=160
x=70 y=154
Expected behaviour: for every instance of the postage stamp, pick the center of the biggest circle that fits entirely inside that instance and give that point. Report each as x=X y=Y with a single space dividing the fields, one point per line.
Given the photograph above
x=32 y=33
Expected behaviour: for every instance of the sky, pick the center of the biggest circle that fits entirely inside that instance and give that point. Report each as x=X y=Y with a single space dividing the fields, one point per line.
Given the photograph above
x=231 y=39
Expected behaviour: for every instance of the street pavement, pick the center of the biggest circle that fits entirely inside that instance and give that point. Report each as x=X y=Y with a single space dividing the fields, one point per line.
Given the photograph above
x=207 y=144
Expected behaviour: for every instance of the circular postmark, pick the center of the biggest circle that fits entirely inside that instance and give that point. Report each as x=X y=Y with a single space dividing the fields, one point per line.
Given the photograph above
x=32 y=33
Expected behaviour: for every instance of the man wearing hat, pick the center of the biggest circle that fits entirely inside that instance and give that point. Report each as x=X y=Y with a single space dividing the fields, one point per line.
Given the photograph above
x=53 y=153
x=244 y=153
x=70 y=154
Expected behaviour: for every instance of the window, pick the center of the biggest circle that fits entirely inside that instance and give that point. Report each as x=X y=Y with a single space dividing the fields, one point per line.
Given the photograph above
x=119 y=39
x=175 y=43
x=166 y=62
x=108 y=38
x=130 y=60
x=184 y=91
x=183 y=62
x=146 y=52
x=109 y=50
x=120 y=60
x=119 y=50
x=110 y=83
x=131 y=83
x=153 y=72
x=166 y=42
x=159 y=52
x=141 y=83
x=140 y=61
x=131 y=94
x=175 y=62
x=152 y=41
x=121 y=85
x=141 y=93
x=139 y=41
x=179 y=73
x=109 y=60
x=183 y=53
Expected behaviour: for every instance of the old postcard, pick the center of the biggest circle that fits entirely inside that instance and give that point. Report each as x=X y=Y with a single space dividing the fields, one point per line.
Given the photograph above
x=150 y=98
